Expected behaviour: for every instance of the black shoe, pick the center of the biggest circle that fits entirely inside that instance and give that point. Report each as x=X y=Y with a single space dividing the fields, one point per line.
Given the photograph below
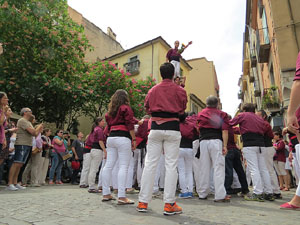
x=277 y=196
x=269 y=197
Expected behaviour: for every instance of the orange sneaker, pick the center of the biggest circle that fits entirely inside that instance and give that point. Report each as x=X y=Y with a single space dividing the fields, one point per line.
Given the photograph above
x=142 y=207
x=172 y=209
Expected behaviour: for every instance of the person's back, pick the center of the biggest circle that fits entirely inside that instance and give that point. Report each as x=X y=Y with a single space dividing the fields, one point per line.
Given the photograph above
x=164 y=102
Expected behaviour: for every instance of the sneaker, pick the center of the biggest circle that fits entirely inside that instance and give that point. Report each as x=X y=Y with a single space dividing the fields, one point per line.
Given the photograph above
x=131 y=191
x=59 y=182
x=254 y=197
x=142 y=207
x=20 y=187
x=191 y=195
x=51 y=182
x=184 y=195
x=11 y=187
x=277 y=196
x=172 y=209
x=269 y=197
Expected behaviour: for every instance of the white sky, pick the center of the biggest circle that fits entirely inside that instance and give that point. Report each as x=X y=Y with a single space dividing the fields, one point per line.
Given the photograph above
x=215 y=26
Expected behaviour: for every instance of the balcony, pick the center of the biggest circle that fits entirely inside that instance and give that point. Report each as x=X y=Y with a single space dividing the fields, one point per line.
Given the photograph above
x=240 y=95
x=132 y=67
x=246 y=67
x=263 y=49
x=253 y=58
x=270 y=99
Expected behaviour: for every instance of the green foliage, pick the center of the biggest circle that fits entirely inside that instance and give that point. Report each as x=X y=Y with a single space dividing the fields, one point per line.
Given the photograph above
x=137 y=90
x=270 y=98
x=43 y=53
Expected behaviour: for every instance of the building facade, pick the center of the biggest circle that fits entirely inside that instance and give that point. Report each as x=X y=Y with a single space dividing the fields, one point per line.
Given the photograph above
x=271 y=46
x=145 y=59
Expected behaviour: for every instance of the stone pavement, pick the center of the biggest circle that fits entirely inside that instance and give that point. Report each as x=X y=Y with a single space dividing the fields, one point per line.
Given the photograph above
x=68 y=204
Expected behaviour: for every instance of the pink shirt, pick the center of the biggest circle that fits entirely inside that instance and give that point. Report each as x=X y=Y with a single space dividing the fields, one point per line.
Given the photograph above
x=59 y=148
x=98 y=135
x=249 y=123
x=166 y=97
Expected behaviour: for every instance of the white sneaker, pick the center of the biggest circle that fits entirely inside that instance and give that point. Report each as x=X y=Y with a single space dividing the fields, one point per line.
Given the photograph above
x=18 y=186
x=11 y=187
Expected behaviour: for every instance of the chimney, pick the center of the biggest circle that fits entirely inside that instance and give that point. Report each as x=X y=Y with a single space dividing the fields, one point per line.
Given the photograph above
x=111 y=33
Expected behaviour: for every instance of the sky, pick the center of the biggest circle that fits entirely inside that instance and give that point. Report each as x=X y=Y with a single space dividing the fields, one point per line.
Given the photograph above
x=215 y=26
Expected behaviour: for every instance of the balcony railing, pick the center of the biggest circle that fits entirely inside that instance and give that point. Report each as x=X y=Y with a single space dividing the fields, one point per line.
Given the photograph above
x=253 y=58
x=263 y=49
x=270 y=99
x=133 y=67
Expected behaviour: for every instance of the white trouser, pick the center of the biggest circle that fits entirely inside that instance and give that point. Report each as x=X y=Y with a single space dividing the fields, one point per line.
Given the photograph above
x=297 y=147
x=100 y=173
x=114 y=179
x=196 y=164
x=248 y=175
x=129 y=180
x=280 y=168
x=96 y=158
x=136 y=155
x=85 y=169
x=117 y=148
x=211 y=157
x=176 y=64
x=158 y=174
x=296 y=167
x=258 y=169
x=268 y=154
x=44 y=166
x=185 y=169
x=159 y=141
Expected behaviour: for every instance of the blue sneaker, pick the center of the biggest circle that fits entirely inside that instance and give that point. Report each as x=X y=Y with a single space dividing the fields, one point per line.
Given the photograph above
x=190 y=194
x=184 y=195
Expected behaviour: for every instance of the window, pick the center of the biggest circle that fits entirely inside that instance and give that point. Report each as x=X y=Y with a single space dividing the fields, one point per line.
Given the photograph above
x=265 y=27
x=116 y=64
x=133 y=65
x=194 y=108
x=272 y=79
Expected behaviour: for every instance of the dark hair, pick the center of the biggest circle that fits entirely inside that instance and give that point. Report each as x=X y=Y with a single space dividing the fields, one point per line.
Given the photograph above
x=249 y=107
x=57 y=131
x=120 y=97
x=167 y=71
x=182 y=117
x=278 y=134
x=45 y=131
x=2 y=94
x=95 y=124
x=264 y=114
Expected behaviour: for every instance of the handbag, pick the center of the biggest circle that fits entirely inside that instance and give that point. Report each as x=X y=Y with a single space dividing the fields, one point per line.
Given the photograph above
x=35 y=150
x=63 y=155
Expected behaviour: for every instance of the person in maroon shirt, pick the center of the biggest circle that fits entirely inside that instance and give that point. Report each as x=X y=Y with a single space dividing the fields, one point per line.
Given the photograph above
x=279 y=161
x=268 y=154
x=233 y=161
x=252 y=128
x=120 y=143
x=173 y=56
x=213 y=125
x=293 y=126
x=97 y=152
x=164 y=102
x=186 y=156
x=86 y=161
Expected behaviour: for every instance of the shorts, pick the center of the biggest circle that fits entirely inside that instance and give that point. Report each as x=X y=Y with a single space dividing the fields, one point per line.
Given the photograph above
x=21 y=153
x=280 y=168
x=4 y=152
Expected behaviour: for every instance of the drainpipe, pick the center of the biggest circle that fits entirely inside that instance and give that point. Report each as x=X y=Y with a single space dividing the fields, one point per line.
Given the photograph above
x=293 y=23
x=152 y=57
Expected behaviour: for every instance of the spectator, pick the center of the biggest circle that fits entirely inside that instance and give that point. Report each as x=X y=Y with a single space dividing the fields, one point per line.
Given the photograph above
x=77 y=149
x=23 y=147
x=57 y=162
x=44 y=165
x=3 y=111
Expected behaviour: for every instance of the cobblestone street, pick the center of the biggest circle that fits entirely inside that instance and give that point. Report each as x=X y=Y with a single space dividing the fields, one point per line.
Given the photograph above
x=70 y=205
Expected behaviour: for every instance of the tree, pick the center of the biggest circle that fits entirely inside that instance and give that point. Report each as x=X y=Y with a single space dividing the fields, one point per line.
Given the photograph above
x=137 y=90
x=43 y=57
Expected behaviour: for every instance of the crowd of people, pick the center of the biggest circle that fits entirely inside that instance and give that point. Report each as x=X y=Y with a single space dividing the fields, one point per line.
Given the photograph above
x=165 y=151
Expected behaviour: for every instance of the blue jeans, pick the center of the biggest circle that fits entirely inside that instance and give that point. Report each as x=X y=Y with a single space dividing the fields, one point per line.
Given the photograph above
x=21 y=153
x=56 y=166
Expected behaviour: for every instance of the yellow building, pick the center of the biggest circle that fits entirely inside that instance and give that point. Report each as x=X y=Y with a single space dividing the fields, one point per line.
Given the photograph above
x=202 y=80
x=145 y=59
x=104 y=44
